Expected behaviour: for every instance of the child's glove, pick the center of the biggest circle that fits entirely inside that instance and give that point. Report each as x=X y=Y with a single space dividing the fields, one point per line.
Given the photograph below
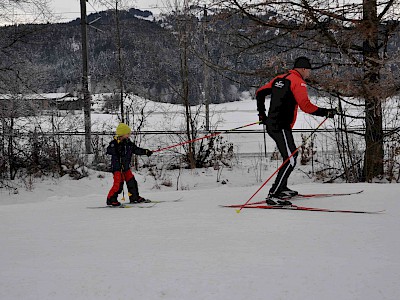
x=149 y=152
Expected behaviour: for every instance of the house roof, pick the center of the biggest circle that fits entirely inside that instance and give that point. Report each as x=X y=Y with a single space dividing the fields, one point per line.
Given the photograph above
x=57 y=97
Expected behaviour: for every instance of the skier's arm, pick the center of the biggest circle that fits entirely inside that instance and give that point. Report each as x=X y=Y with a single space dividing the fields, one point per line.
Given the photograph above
x=299 y=90
x=112 y=148
x=140 y=151
x=261 y=93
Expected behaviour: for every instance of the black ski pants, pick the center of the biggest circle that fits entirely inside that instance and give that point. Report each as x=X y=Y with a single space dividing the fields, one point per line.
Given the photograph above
x=286 y=146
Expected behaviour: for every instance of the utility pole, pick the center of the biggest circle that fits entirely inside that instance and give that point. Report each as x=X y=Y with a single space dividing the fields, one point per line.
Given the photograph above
x=85 y=80
x=206 y=92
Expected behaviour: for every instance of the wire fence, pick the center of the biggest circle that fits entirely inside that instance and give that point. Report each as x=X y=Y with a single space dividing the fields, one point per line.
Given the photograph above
x=322 y=151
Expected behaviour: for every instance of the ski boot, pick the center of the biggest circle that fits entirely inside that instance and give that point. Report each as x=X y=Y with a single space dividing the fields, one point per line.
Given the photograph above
x=113 y=202
x=139 y=200
x=278 y=199
x=289 y=192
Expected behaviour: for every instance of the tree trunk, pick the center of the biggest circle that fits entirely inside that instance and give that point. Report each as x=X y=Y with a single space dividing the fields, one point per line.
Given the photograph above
x=373 y=161
x=185 y=93
x=85 y=80
x=11 y=158
x=120 y=80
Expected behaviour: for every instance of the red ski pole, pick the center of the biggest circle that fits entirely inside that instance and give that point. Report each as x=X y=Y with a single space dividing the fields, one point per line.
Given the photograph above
x=277 y=170
x=204 y=137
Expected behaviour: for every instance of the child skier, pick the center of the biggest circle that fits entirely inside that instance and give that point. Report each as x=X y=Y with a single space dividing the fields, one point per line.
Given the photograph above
x=121 y=149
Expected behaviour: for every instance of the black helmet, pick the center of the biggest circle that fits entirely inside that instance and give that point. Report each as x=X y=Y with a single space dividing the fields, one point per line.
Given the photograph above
x=302 y=62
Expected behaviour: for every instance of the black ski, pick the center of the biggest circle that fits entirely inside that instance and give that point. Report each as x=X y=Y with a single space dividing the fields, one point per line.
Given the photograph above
x=303 y=208
x=151 y=203
x=303 y=196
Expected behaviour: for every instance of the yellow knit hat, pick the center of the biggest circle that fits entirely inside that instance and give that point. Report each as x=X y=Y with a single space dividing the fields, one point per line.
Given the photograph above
x=122 y=129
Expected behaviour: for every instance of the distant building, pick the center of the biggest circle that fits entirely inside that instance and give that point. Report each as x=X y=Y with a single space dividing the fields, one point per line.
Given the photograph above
x=19 y=105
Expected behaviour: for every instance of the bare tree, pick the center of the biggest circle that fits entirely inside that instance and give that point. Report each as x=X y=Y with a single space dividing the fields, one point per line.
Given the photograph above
x=115 y=6
x=183 y=27
x=350 y=41
x=24 y=11
x=38 y=11
x=16 y=74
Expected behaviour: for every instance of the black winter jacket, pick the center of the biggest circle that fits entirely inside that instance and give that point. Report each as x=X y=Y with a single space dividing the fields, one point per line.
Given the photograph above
x=121 y=154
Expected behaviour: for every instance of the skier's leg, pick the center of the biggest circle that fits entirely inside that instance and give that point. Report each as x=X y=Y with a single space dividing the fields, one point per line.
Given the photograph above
x=132 y=185
x=116 y=189
x=286 y=146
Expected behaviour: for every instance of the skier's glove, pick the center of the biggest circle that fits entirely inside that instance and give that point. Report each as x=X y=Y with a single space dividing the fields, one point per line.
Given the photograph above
x=262 y=118
x=331 y=112
x=325 y=112
x=149 y=152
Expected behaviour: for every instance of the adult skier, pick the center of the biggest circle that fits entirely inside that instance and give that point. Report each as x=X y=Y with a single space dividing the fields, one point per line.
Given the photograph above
x=288 y=92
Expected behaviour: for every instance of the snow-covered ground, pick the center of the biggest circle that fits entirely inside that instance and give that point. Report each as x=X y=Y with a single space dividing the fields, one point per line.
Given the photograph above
x=54 y=247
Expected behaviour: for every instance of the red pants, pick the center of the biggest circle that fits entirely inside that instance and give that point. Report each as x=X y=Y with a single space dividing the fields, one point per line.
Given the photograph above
x=118 y=185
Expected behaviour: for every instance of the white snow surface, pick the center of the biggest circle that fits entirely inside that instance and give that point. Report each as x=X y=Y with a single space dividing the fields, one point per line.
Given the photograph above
x=54 y=247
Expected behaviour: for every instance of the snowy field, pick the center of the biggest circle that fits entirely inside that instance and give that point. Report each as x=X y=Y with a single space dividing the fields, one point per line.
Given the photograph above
x=54 y=247
x=170 y=117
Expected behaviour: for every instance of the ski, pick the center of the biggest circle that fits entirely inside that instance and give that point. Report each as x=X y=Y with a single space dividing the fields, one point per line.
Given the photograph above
x=325 y=195
x=303 y=196
x=303 y=208
x=151 y=203
x=110 y=206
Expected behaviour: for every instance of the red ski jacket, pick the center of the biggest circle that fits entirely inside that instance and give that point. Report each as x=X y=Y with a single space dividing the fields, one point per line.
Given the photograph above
x=288 y=92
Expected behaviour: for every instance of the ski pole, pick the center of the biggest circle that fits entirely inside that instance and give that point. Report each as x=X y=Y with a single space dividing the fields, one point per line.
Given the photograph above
x=205 y=137
x=277 y=170
x=123 y=182
x=265 y=141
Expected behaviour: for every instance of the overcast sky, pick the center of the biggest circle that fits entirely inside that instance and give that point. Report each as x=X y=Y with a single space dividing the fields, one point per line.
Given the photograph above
x=66 y=10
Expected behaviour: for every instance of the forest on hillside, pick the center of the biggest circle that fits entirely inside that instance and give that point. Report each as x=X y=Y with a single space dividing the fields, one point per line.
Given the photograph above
x=147 y=54
x=48 y=57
